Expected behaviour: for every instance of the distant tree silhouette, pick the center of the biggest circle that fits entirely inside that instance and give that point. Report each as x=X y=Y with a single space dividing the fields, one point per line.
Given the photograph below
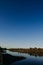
x=1 y=50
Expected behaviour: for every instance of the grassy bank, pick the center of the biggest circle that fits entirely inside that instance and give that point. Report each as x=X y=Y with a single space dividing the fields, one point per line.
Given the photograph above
x=8 y=59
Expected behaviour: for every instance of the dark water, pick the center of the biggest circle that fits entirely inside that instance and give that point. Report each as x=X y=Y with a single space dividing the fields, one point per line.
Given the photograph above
x=30 y=60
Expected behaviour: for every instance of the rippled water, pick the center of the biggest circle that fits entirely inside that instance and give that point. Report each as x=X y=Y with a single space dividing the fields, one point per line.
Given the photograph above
x=30 y=60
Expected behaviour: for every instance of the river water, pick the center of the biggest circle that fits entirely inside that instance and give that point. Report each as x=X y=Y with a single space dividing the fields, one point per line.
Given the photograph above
x=30 y=60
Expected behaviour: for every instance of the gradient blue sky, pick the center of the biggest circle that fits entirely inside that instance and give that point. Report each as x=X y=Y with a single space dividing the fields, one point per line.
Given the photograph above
x=21 y=23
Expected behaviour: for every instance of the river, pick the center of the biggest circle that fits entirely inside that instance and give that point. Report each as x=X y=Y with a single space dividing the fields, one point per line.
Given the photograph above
x=30 y=60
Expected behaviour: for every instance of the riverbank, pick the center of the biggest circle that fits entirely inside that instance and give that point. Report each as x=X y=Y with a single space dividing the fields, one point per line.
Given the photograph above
x=8 y=59
x=31 y=51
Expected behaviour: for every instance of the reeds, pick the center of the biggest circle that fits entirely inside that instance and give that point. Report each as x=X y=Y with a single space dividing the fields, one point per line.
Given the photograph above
x=31 y=51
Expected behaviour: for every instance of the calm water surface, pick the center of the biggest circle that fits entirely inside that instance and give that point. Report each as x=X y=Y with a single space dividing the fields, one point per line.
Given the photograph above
x=30 y=60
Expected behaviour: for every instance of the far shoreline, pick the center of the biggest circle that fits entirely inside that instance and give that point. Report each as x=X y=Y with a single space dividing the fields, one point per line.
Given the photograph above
x=31 y=51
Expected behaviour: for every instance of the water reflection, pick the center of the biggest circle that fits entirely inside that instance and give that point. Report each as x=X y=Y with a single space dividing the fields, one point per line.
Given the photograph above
x=31 y=59
x=40 y=55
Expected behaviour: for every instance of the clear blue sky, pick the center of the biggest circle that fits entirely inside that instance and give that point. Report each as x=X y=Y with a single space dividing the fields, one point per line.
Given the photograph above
x=21 y=23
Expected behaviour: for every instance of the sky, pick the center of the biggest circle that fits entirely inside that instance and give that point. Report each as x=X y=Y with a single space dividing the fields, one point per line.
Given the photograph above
x=21 y=23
